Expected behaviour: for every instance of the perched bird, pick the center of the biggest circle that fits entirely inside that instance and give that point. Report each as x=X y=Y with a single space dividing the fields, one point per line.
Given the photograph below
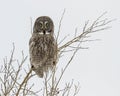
x=43 y=46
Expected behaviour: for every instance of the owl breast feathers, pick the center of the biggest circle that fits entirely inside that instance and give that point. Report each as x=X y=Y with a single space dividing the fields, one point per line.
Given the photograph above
x=42 y=48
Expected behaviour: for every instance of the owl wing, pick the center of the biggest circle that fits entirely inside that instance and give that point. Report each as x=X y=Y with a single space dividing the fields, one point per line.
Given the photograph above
x=35 y=56
x=31 y=44
x=52 y=56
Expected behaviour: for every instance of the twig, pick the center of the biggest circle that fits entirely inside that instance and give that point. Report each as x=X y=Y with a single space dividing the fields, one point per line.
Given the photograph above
x=60 y=25
x=23 y=82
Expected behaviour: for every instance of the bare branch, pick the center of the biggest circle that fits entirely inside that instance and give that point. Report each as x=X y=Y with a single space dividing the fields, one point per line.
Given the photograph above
x=60 y=25
x=23 y=82
x=13 y=83
x=31 y=24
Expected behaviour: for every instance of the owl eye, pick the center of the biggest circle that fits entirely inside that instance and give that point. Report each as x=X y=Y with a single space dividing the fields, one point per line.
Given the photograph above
x=40 y=24
x=46 y=25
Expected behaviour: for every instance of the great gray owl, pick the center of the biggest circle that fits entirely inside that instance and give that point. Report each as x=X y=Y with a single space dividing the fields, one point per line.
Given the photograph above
x=42 y=46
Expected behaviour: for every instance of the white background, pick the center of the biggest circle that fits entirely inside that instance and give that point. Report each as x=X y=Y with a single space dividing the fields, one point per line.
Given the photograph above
x=98 y=68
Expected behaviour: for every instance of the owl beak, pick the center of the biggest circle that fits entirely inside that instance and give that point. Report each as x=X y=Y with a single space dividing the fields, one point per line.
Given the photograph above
x=44 y=32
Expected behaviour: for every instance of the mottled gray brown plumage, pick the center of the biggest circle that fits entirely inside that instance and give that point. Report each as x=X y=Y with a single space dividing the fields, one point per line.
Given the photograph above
x=42 y=46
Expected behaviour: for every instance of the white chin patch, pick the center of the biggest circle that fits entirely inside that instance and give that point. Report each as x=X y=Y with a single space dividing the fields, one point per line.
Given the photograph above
x=47 y=32
x=41 y=33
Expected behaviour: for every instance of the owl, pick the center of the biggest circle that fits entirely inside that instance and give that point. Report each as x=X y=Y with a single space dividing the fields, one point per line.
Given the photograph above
x=43 y=46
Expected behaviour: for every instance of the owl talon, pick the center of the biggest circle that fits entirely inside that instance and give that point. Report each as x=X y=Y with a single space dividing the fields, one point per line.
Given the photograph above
x=53 y=62
x=32 y=67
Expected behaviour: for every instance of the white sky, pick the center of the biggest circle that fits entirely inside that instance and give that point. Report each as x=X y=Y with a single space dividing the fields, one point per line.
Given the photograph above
x=98 y=68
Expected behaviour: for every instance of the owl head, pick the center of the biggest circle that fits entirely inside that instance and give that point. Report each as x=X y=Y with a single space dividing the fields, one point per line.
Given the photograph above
x=43 y=25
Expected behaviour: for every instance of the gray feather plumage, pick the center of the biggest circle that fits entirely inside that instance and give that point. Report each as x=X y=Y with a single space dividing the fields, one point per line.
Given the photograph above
x=43 y=50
